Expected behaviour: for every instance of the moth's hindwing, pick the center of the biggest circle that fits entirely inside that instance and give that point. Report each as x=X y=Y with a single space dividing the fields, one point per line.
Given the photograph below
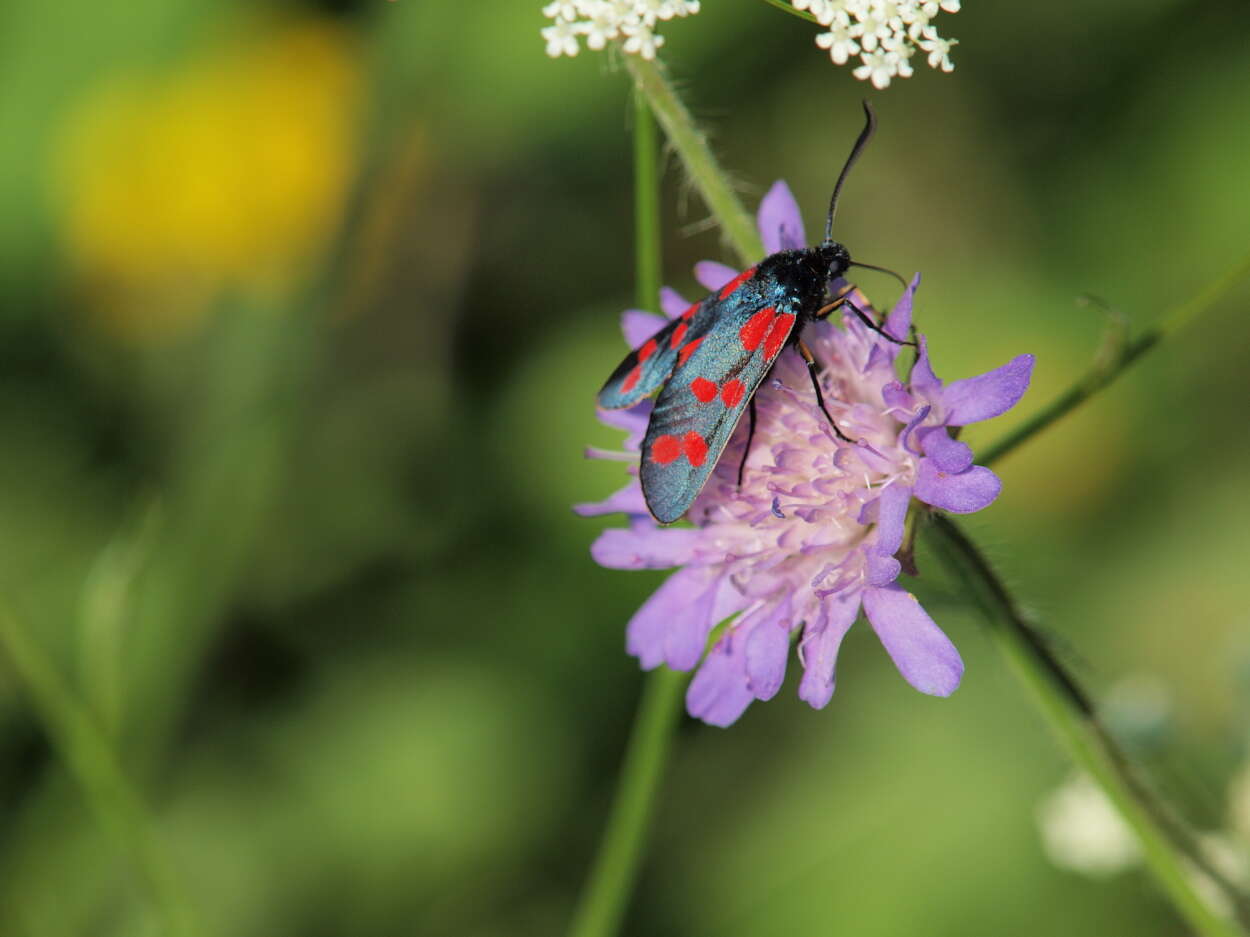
x=700 y=405
x=650 y=364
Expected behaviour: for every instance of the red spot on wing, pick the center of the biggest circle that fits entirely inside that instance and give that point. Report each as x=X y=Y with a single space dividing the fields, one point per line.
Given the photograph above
x=696 y=448
x=732 y=392
x=679 y=334
x=704 y=389
x=631 y=379
x=689 y=349
x=689 y=313
x=777 y=335
x=647 y=350
x=756 y=328
x=665 y=449
x=736 y=282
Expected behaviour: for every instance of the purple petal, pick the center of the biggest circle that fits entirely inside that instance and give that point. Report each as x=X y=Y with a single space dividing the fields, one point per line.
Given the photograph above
x=766 y=648
x=898 y=322
x=880 y=355
x=638 y=326
x=895 y=395
x=949 y=455
x=644 y=546
x=891 y=516
x=905 y=436
x=880 y=569
x=921 y=652
x=672 y=303
x=711 y=275
x=686 y=638
x=978 y=398
x=820 y=647
x=632 y=419
x=779 y=220
x=648 y=630
x=961 y=493
x=923 y=380
x=628 y=500
x=718 y=694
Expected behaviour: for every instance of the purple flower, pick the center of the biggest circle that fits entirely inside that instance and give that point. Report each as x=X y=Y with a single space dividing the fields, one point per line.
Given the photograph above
x=811 y=535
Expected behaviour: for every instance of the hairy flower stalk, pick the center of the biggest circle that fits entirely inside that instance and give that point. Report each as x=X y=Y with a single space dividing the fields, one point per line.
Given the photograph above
x=812 y=533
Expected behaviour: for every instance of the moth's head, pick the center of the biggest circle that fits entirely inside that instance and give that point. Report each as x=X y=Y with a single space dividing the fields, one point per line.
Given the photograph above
x=835 y=258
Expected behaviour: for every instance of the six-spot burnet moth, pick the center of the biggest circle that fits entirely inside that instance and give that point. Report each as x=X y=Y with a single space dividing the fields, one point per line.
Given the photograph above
x=710 y=360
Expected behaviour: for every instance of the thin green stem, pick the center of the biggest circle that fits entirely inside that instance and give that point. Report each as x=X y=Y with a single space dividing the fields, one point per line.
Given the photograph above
x=1107 y=369
x=647 y=241
x=1167 y=847
x=696 y=156
x=615 y=869
x=787 y=8
x=86 y=751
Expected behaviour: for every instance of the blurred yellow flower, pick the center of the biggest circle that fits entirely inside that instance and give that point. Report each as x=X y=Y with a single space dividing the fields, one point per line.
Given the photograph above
x=229 y=170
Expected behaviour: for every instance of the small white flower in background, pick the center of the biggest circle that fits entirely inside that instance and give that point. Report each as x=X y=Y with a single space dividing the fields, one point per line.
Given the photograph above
x=840 y=43
x=598 y=21
x=884 y=33
x=939 y=49
x=1081 y=830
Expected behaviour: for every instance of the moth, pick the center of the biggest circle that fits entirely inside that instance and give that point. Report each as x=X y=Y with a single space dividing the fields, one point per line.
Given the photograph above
x=708 y=363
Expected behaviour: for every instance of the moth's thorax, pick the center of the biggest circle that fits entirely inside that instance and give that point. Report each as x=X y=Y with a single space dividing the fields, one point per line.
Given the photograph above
x=801 y=277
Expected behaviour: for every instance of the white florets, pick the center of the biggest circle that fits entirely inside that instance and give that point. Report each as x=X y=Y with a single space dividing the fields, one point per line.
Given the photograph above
x=598 y=21
x=883 y=33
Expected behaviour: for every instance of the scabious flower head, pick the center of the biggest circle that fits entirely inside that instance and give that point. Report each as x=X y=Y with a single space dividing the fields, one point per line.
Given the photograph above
x=812 y=533
x=598 y=21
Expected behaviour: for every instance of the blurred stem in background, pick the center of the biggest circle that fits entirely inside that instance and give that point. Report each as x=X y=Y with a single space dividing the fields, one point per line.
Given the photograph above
x=1169 y=849
x=90 y=758
x=235 y=449
x=227 y=474
x=161 y=593
x=610 y=883
x=1110 y=366
x=1071 y=715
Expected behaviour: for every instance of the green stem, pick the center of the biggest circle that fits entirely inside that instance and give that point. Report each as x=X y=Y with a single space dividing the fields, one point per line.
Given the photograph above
x=1166 y=846
x=647 y=240
x=610 y=883
x=1107 y=369
x=92 y=761
x=606 y=893
x=787 y=8
x=700 y=163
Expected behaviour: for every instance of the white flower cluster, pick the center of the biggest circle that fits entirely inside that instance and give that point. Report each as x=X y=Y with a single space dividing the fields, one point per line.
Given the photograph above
x=597 y=21
x=883 y=33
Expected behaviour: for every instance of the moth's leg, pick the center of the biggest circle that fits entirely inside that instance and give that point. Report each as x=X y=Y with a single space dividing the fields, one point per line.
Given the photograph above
x=750 y=436
x=867 y=320
x=820 y=397
x=838 y=300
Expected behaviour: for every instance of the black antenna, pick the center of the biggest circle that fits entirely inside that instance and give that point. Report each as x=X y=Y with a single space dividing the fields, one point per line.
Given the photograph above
x=870 y=125
x=897 y=276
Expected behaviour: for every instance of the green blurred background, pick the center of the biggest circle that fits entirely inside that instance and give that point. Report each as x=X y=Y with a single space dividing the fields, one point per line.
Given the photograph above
x=304 y=306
